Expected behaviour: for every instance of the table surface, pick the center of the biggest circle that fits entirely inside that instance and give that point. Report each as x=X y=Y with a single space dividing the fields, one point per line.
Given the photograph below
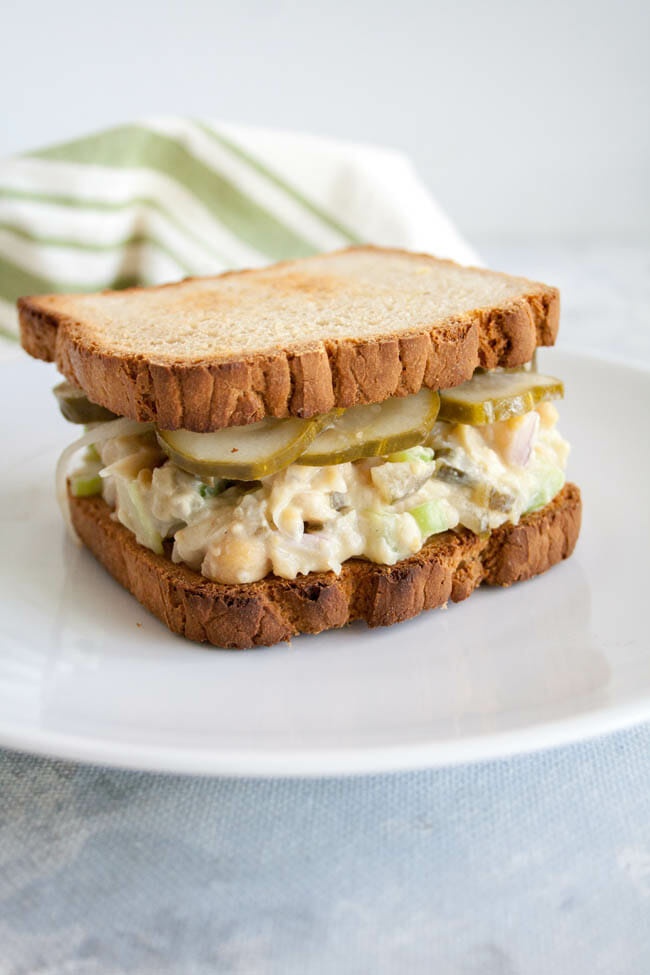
x=520 y=867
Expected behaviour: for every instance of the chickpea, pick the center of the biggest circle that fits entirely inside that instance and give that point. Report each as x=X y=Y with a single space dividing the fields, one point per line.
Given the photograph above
x=235 y=560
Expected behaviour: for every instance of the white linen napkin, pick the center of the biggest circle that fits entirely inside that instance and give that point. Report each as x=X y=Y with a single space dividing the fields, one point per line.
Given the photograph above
x=165 y=198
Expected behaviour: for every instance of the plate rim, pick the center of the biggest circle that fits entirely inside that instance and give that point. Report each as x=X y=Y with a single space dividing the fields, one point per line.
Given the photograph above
x=329 y=762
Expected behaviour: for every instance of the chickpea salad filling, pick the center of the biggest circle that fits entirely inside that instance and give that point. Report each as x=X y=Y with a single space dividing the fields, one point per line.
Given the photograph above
x=291 y=497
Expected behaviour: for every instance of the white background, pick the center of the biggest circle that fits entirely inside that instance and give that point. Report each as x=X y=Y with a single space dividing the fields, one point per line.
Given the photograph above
x=525 y=119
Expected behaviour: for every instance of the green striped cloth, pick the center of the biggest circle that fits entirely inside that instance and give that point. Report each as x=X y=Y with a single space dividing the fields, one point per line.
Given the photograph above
x=164 y=198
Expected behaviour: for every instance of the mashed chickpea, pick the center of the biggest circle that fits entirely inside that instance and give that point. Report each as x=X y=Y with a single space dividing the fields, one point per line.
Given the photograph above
x=237 y=559
x=312 y=519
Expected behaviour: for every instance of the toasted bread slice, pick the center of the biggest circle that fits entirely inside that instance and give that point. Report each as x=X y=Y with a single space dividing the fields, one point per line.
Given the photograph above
x=450 y=566
x=293 y=339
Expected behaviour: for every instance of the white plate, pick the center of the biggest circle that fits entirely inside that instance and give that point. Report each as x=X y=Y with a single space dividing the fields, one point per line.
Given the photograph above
x=86 y=673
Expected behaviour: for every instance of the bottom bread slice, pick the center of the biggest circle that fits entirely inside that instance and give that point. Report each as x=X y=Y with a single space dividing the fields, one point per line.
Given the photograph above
x=450 y=566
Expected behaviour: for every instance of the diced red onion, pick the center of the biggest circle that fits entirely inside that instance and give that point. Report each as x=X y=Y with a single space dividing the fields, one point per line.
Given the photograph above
x=521 y=445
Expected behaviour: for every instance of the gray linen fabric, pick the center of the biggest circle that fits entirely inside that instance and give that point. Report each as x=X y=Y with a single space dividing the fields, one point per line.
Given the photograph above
x=522 y=867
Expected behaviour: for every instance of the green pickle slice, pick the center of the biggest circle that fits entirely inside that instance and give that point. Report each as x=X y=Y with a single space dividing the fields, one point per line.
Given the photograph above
x=252 y=452
x=242 y=453
x=489 y=397
x=77 y=408
x=374 y=430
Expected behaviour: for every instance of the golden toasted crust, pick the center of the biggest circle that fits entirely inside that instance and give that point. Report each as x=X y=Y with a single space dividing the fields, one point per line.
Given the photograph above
x=450 y=566
x=302 y=379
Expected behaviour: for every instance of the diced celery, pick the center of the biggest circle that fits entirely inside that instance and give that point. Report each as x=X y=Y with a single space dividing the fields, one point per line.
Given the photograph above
x=383 y=525
x=147 y=534
x=212 y=490
x=412 y=453
x=431 y=518
x=550 y=482
x=389 y=535
x=381 y=522
x=85 y=485
x=92 y=453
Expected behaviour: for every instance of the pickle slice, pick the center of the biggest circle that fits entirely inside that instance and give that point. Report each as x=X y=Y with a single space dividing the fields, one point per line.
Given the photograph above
x=77 y=408
x=374 y=430
x=493 y=396
x=242 y=453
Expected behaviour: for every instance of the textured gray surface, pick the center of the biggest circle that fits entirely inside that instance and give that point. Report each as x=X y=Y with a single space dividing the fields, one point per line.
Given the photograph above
x=523 y=867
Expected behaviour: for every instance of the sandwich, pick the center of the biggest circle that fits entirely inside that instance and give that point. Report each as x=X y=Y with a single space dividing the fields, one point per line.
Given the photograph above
x=360 y=435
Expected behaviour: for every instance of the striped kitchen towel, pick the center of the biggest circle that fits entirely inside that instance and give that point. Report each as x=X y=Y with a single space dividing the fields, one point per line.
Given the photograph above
x=165 y=198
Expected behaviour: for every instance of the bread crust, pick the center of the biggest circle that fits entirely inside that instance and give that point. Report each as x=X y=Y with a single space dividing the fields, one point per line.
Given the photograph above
x=305 y=381
x=450 y=566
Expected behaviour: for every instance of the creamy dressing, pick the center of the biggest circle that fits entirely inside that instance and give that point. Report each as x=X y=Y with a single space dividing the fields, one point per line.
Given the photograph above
x=307 y=519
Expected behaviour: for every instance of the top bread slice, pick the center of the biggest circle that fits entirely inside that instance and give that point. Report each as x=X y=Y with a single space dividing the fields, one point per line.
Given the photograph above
x=293 y=339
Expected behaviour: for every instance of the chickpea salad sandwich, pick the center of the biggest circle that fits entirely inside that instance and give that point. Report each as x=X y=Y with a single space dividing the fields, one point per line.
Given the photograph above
x=357 y=435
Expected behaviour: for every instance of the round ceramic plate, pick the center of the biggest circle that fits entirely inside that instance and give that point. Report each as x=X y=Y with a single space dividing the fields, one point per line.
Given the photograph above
x=86 y=673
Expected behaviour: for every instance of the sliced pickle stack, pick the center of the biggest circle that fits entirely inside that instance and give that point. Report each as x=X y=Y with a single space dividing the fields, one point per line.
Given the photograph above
x=242 y=453
x=249 y=453
x=374 y=430
x=493 y=396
